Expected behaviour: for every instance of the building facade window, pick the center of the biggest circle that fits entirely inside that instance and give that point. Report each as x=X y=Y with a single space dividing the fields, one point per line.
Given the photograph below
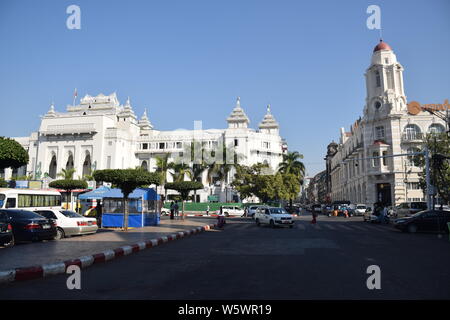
x=375 y=161
x=413 y=186
x=412 y=132
x=379 y=132
x=377 y=79
x=385 y=159
x=436 y=128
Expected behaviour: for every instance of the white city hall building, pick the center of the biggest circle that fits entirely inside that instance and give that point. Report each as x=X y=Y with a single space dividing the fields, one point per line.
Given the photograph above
x=100 y=133
x=386 y=128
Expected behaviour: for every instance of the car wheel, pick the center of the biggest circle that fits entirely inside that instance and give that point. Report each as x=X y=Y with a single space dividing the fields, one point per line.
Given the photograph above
x=257 y=222
x=59 y=234
x=227 y=214
x=10 y=244
x=272 y=224
x=412 y=228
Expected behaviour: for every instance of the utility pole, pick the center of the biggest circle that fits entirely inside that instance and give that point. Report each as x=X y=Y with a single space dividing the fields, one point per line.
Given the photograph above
x=427 y=177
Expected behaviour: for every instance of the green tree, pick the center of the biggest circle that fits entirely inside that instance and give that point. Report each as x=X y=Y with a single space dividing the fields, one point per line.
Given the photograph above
x=228 y=159
x=127 y=180
x=162 y=166
x=180 y=171
x=68 y=185
x=245 y=179
x=67 y=174
x=438 y=145
x=12 y=154
x=3 y=183
x=291 y=186
x=184 y=188
x=291 y=165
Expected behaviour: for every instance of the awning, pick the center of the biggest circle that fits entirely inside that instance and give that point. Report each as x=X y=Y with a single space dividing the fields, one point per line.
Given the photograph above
x=106 y=192
x=98 y=193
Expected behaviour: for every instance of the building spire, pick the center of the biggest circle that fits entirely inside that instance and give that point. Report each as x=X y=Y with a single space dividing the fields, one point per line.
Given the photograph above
x=269 y=121
x=144 y=123
x=51 y=112
x=238 y=118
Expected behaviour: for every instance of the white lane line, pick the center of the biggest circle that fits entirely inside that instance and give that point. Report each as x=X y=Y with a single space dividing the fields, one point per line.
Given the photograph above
x=345 y=227
x=301 y=226
x=329 y=226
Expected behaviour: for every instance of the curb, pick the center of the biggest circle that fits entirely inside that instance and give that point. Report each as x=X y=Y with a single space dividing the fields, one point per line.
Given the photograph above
x=42 y=271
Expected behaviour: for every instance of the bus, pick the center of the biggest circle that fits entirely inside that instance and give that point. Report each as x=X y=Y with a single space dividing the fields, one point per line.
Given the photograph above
x=29 y=199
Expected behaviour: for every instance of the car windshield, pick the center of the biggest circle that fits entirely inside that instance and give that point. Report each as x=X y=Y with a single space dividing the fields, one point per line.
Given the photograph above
x=71 y=214
x=360 y=207
x=22 y=214
x=278 y=211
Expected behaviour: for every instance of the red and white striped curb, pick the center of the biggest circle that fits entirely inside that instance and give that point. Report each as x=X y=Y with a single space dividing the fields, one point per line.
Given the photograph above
x=34 y=272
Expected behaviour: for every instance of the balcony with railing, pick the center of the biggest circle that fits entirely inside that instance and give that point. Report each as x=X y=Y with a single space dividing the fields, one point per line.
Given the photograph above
x=76 y=128
x=412 y=136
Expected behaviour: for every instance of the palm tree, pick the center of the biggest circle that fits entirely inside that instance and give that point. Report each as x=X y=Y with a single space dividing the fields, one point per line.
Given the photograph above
x=197 y=174
x=67 y=174
x=162 y=166
x=222 y=169
x=180 y=170
x=291 y=164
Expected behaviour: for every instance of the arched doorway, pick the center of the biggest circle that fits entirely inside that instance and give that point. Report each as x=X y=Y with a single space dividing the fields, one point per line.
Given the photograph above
x=87 y=164
x=144 y=165
x=52 y=167
x=69 y=163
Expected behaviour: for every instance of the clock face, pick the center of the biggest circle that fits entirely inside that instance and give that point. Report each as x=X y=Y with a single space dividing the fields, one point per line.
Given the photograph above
x=377 y=105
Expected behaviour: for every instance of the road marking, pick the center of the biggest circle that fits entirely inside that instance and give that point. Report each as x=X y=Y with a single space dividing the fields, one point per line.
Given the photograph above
x=330 y=227
x=345 y=227
x=360 y=228
x=301 y=226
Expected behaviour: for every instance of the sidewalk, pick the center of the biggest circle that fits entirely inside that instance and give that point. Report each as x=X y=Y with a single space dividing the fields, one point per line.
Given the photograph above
x=104 y=243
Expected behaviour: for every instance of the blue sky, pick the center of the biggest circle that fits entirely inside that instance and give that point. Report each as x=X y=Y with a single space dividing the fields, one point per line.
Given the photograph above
x=189 y=60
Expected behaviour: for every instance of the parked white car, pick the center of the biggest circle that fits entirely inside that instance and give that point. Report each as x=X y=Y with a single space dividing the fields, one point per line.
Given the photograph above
x=165 y=211
x=232 y=211
x=273 y=217
x=70 y=223
x=360 y=209
x=252 y=210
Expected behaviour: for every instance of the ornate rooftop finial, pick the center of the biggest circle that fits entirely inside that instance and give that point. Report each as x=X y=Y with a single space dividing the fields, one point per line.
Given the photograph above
x=51 y=112
x=128 y=101
x=269 y=121
x=144 y=123
x=238 y=115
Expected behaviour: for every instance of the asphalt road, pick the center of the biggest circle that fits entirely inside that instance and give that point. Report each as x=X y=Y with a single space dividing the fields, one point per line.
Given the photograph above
x=324 y=261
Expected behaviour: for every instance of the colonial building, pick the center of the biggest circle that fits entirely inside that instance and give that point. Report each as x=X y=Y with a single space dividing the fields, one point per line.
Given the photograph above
x=100 y=133
x=386 y=128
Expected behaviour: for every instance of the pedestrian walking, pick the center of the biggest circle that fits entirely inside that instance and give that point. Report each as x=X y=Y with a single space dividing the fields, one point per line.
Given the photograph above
x=314 y=217
x=207 y=210
x=176 y=208
x=172 y=210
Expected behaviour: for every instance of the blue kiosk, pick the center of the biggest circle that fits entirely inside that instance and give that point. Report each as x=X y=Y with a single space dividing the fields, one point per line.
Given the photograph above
x=142 y=207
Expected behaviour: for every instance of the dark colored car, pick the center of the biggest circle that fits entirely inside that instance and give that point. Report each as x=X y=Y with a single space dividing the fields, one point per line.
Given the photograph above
x=424 y=221
x=292 y=210
x=407 y=209
x=316 y=208
x=6 y=234
x=29 y=226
